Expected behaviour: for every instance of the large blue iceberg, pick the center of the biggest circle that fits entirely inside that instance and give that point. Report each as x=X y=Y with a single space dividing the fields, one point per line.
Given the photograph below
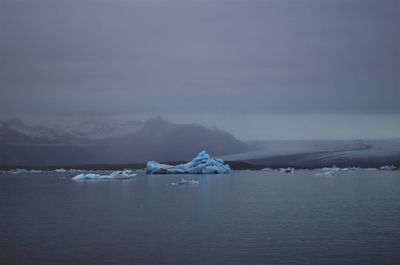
x=202 y=164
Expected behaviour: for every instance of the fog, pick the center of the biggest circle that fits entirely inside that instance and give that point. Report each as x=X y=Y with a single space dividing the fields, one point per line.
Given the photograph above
x=259 y=69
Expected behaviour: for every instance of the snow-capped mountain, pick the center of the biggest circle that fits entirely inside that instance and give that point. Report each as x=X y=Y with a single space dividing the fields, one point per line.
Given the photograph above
x=97 y=129
x=17 y=131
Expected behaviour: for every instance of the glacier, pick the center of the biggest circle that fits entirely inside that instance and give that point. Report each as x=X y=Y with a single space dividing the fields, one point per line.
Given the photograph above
x=125 y=174
x=203 y=163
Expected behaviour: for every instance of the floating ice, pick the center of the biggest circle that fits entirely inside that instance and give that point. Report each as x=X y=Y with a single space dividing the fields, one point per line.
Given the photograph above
x=267 y=169
x=126 y=174
x=334 y=168
x=351 y=169
x=287 y=170
x=325 y=173
x=185 y=182
x=60 y=170
x=202 y=164
x=18 y=171
x=387 y=167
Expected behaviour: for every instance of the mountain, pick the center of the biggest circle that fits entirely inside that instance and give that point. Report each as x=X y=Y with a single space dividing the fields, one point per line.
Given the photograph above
x=96 y=129
x=15 y=131
x=162 y=140
x=110 y=142
x=123 y=142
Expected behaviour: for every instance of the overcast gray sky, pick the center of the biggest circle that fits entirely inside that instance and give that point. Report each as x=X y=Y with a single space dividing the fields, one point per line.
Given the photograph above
x=213 y=58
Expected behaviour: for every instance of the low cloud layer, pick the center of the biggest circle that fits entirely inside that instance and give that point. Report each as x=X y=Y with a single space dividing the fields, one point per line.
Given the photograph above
x=113 y=58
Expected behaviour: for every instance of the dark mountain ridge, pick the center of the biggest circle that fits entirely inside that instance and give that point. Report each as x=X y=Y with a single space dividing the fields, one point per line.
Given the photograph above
x=157 y=138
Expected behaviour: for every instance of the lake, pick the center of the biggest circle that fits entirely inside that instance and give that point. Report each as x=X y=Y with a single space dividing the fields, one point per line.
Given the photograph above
x=247 y=217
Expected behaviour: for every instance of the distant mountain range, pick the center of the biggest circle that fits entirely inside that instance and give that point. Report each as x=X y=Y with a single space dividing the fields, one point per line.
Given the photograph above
x=94 y=142
x=17 y=131
x=125 y=142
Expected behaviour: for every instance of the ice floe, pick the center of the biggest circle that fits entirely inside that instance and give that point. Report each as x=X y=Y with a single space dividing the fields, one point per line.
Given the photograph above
x=334 y=168
x=126 y=174
x=387 y=168
x=325 y=173
x=267 y=169
x=349 y=169
x=185 y=182
x=287 y=170
x=202 y=164
x=18 y=171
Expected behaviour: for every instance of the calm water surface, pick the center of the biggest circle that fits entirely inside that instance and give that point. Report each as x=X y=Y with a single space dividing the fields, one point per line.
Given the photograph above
x=247 y=217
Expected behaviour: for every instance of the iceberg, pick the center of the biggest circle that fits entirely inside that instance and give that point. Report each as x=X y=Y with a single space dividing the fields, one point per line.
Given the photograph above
x=126 y=174
x=202 y=164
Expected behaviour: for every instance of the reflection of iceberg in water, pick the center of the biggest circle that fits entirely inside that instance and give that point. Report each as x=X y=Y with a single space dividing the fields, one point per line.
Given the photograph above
x=126 y=174
x=202 y=164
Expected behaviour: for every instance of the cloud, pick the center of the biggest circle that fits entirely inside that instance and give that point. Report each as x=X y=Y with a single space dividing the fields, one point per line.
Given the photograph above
x=119 y=57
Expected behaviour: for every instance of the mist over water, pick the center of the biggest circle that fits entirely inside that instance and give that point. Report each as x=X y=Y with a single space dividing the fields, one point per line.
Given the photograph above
x=301 y=126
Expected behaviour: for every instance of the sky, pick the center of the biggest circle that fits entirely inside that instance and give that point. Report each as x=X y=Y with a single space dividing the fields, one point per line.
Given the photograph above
x=335 y=65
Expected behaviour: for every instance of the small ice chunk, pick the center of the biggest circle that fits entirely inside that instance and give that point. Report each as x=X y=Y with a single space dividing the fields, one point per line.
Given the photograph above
x=325 y=173
x=60 y=170
x=287 y=170
x=267 y=169
x=334 y=168
x=387 y=167
x=185 y=182
x=18 y=171
x=126 y=174
x=202 y=164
